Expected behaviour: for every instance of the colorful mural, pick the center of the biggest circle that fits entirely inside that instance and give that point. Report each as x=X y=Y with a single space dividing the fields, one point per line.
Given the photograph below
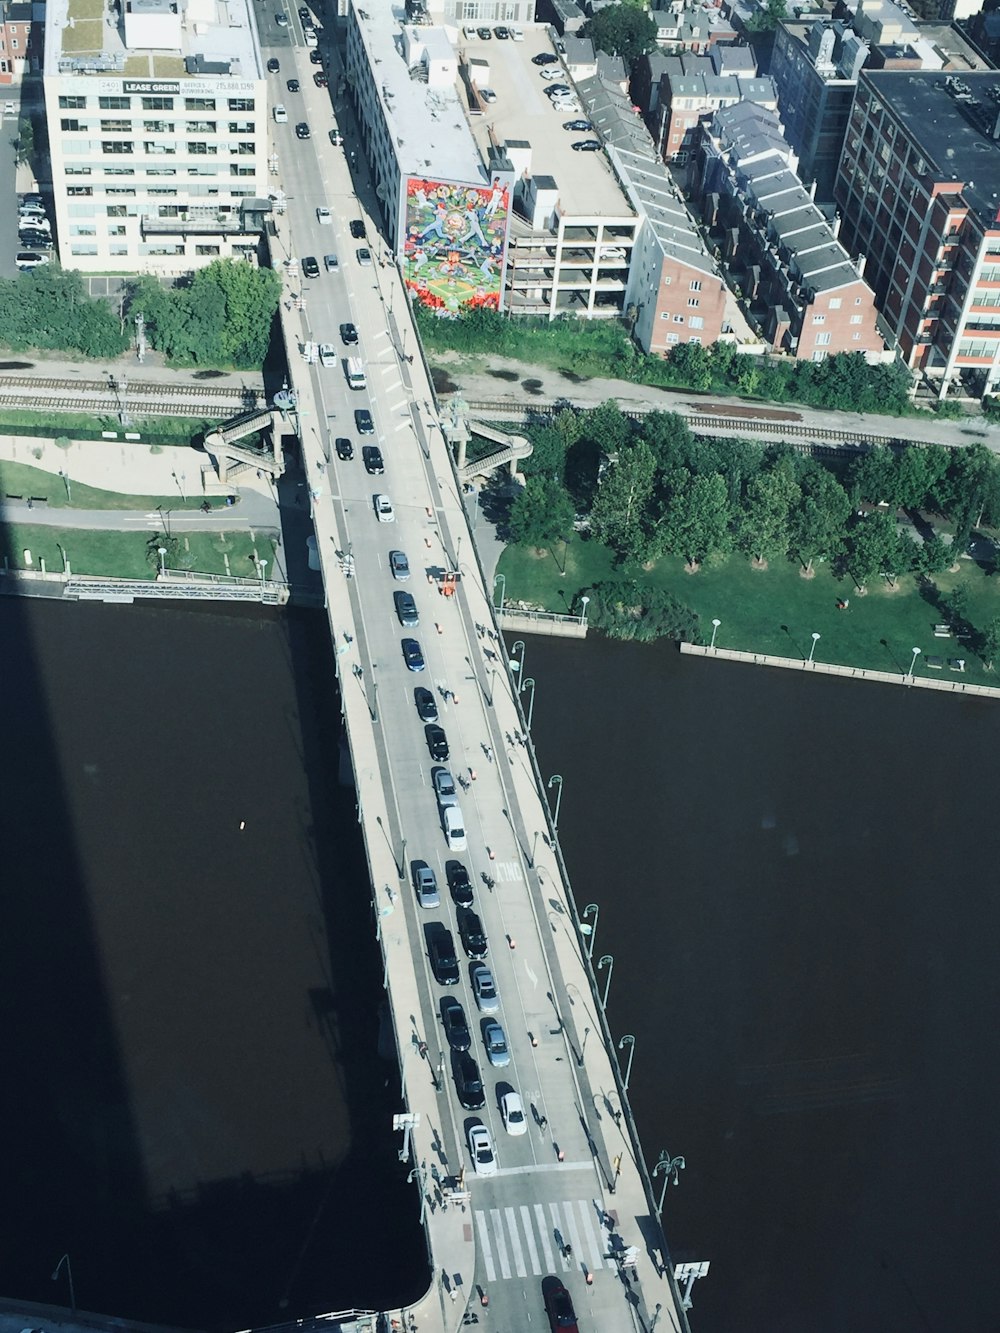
x=455 y=242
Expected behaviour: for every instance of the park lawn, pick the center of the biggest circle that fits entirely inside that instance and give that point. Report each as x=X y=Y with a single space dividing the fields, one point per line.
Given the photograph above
x=123 y=555
x=776 y=610
x=23 y=479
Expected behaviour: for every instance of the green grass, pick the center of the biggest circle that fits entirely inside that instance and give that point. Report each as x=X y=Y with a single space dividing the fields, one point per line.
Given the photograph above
x=123 y=554
x=24 y=480
x=154 y=430
x=755 y=606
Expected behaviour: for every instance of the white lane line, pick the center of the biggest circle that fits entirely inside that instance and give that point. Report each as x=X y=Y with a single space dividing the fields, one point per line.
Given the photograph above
x=557 y=1225
x=501 y=1245
x=485 y=1246
x=596 y=1249
x=529 y=1236
x=402 y=426
x=574 y=1235
x=543 y=1236
x=515 y=1241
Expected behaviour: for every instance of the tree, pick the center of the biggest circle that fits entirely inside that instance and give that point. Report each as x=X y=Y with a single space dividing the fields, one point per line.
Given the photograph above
x=671 y=440
x=768 y=18
x=932 y=556
x=633 y=609
x=621 y=508
x=250 y=299
x=765 y=524
x=875 y=477
x=608 y=426
x=920 y=469
x=876 y=548
x=542 y=514
x=989 y=643
x=818 y=524
x=24 y=144
x=622 y=30
x=690 y=363
x=548 y=454
x=696 y=522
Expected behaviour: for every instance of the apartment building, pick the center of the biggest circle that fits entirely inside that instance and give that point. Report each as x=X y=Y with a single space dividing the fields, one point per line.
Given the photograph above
x=691 y=89
x=157 y=118
x=20 y=45
x=919 y=189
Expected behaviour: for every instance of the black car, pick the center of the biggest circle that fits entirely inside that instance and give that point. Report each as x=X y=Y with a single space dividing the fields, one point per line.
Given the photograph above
x=304 y=13
x=441 y=951
x=468 y=1083
x=473 y=936
x=273 y=66
x=371 y=456
x=345 y=449
x=456 y=1027
x=586 y=146
x=358 y=230
x=437 y=742
x=315 y=58
x=581 y=125
x=557 y=89
x=545 y=58
x=427 y=709
x=363 y=421
x=412 y=654
x=320 y=79
x=35 y=240
x=310 y=267
x=406 y=609
x=348 y=335
x=559 y=1307
x=502 y=34
x=293 y=85
x=483 y=34
x=302 y=130
x=459 y=883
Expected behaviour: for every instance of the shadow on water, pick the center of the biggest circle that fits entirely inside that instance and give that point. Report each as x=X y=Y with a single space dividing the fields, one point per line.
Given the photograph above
x=195 y=1113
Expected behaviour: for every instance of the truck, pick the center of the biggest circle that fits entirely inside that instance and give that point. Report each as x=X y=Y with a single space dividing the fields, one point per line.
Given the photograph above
x=354 y=371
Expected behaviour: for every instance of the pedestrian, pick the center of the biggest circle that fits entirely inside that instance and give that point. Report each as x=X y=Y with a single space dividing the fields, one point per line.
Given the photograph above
x=543 y=1121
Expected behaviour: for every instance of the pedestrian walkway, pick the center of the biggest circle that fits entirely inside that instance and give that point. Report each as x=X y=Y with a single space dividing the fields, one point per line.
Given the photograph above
x=543 y=1238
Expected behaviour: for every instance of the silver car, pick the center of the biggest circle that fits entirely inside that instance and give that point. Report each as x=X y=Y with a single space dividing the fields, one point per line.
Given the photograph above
x=444 y=787
x=484 y=988
x=425 y=885
x=495 y=1041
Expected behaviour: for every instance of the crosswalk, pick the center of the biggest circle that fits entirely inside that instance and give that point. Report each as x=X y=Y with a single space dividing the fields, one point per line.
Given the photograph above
x=516 y=1241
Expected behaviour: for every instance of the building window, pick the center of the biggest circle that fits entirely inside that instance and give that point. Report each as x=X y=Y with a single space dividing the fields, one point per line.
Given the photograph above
x=242 y=171
x=206 y=250
x=856 y=319
x=65 y=124
x=114 y=103
x=695 y=340
x=819 y=356
x=202 y=126
x=241 y=104
x=678 y=319
x=695 y=285
x=157 y=104
x=116 y=146
x=834 y=303
x=819 y=319
x=116 y=211
x=673 y=337
x=696 y=322
x=666 y=281
x=199 y=103
x=78 y=171
x=116 y=231
x=857 y=300
x=116 y=126
x=159 y=126
x=693 y=302
x=823 y=339
x=856 y=337
x=79 y=190
x=118 y=189
x=241 y=127
x=665 y=314
x=72 y=103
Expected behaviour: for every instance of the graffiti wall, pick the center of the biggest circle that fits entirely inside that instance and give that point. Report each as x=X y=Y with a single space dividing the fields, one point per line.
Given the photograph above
x=455 y=242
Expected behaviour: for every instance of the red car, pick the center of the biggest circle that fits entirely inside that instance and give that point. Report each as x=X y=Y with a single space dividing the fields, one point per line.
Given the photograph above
x=559 y=1307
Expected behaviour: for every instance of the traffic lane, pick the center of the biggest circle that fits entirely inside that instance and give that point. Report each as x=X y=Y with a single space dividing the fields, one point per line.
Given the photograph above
x=9 y=243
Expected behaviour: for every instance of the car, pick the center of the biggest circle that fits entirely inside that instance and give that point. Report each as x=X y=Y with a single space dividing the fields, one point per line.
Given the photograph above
x=444 y=784
x=517 y=34
x=581 y=125
x=559 y=90
x=280 y=114
x=273 y=66
x=474 y=940
x=330 y=263
x=309 y=266
x=611 y=252
x=558 y=1306
x=487 y=94
x=327 y=355
x=587 y=146
x=281 y=20
x=501 y=34
x=32 y=197
x=406 y=609
x=322 y=80
x=358 y=230
x=363 y=421
x=495 y=1041
x=35 y=240
x=453 y=828
x=293 y=85
x=441 y=952
x=316 y=57
x=484 y=1159
x=425 y=704
x=324 y=217
x=302 y=130
x=413 y=654
x=545 y=58
x=468 y=1080
x=28 y=259
x=512 y=1114
x=348 y=335
x=308 y=27
x=32 y=213
x=336 y=138
x=399 y=565
x=371 y=456
x=458 y=883
x=456 y=1025
x=425 y=885
x=551 y=72
x=345 y=449
x=484 y=988
x=304 y=14
x=364 y=256
x=484 y=34
x=437 y=741
x=384 y=509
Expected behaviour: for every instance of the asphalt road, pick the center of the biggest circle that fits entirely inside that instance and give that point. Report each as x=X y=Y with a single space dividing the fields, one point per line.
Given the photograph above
x=8 y=188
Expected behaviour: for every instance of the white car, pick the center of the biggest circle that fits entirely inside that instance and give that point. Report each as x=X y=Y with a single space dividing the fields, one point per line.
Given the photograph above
x=327 y=355
x=384 y=509
x=512 y=1111
x=484 y=1158
x=551 y=72
x=454 y=828
x=280 y=115
x=324 y=217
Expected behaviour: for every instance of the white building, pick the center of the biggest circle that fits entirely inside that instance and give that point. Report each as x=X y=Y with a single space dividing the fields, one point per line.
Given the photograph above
x=157 y=119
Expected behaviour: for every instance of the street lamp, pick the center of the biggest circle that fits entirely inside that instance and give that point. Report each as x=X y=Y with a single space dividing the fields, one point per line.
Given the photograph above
x=531 y=702
x=162 y=552
x=502 y=580
x=916 y=654
x=519 y=665
x=556 y=778
x=606 y=960
x=65 y=476
x=418 y=1175
x=670 y=1168
x=262 y=567
x=583 y=613
x=629 y=1041
x=69 y=1274
x=715 y=630
x=812 y=650
x=591 y=909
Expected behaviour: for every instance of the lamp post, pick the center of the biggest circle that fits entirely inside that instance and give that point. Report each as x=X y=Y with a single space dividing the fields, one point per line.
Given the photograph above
x=69 y=1274
x=629 y=1041
x=583 y=613
x=670 y=1168
x=162 y=552
x=531 y=702
x=715 y=630
x=262 y=567
x=402 y=861
x=69 y=493
x=518 y=666
x=916 y=654
x=606 y=960
x=812 y=650
x=418 y=1175
x=556 y=778
x=502 y=580
x=591 y=909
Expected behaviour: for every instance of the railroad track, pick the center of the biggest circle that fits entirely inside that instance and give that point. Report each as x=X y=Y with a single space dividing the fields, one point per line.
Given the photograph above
x=135 y=389
x=137 y=407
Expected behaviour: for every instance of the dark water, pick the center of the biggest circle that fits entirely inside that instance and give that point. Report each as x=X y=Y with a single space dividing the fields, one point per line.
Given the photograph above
x=798 y=881
x=193 y=1108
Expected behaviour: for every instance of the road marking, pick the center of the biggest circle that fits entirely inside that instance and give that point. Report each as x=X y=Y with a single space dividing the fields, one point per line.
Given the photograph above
x=487 y=1248
x=501 y=1243
x=574 y=1235
x=508 y=872
x=515 y=1242
x=531 y=976
x=543 y=1236
x=529 y=1237
x=598 y=1252
x=557 y=1225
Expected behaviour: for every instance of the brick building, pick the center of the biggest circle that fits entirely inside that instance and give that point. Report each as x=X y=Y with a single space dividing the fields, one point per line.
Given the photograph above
x=692 y=88
x=20 y=44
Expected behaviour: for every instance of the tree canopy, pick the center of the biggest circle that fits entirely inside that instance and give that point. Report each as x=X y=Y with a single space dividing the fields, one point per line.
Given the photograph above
x=50 y=308
x=542 y=514
x=222 y=317
x=622 y=30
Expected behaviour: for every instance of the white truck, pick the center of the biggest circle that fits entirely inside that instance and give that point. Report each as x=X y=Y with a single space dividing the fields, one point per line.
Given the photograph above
x=354 y=371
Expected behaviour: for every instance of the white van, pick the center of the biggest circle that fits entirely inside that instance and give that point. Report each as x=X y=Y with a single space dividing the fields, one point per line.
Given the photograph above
x=280 y=115
x=354 y=371
x=310 y=36
x=469 y=33
x=454 y=828
x=27 y=259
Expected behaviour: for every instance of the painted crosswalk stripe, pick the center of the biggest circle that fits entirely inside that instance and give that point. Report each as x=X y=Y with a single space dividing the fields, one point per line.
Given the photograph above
x=543 y=1236
x=570 y=1228
x=595 y=1249
x=515 y=1242
x=559 y=1225
x=529 y=1237
x=487 y=1248
x=501 y=1243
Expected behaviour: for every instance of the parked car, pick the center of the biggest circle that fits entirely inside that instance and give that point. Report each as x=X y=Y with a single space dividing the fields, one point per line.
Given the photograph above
x=406 y=609
x=456 y=1026
x=587 y=146
x=458 y=882
x=437 y=741
x=495 y=1041
x=512 y=1113
x=29 y=259
x=425 y=885
x=281 y=20
x=364 y=256
x=413 y=654
x=427 y=709
x=484 y=988
x=484 y=1159
x=487 y=94
x=581 y=125
x=327 y=355
x=468 y=1081
x=336 y=138
x=441 y=952
x=484 y=34
x=316 y=57
x=345 y=449
x=545 y=58
x=400 y=567
x=321 y=80
x=358 y=229
x=474 y=940
x=371 y=456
